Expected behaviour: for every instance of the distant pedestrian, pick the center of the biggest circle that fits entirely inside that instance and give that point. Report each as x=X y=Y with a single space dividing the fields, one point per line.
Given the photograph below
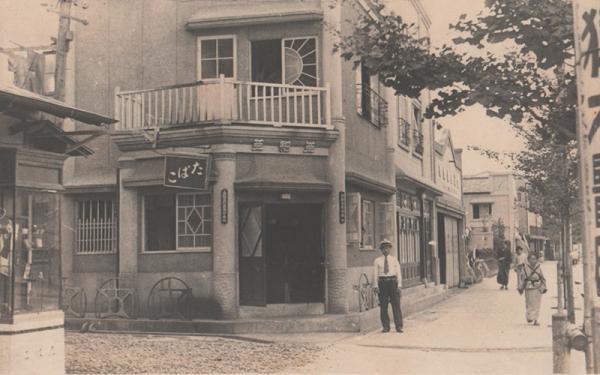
x=533 y=284
x=504 y=261
x=388 y=278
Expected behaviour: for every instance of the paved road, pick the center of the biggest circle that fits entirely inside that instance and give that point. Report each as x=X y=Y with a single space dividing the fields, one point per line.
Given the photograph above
x=482 y=330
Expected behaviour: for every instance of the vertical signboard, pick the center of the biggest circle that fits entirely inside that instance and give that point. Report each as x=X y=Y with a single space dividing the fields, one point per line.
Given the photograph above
x=587 y=57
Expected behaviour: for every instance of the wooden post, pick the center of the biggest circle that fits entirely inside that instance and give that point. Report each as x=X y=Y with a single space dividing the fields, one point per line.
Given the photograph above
x=62 y=48
x=560 y=346
x=223 y=119
x=559 y=280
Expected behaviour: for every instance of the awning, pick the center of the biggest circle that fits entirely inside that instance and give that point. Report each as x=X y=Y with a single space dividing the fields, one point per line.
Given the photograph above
x=45 y=135
x=226 y=14
x=14 y=97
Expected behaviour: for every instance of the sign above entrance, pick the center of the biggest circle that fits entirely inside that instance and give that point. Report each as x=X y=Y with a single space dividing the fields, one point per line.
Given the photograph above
x=186 y=172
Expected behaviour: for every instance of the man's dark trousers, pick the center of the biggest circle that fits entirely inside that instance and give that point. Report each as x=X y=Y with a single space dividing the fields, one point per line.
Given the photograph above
x=388 y=293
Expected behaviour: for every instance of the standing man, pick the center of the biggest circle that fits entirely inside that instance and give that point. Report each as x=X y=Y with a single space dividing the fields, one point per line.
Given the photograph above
x=387 y=276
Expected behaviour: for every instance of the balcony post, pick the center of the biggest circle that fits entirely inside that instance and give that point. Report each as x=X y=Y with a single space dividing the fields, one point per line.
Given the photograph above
x=223 y=118
x=116 y=109
x=328 y=104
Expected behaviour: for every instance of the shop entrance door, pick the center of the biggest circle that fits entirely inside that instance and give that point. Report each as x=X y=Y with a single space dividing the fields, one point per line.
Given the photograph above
x=294 y=253
x=252 y=257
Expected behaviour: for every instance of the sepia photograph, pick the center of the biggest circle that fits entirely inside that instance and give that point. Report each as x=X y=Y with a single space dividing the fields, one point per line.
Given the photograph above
x=299 y=187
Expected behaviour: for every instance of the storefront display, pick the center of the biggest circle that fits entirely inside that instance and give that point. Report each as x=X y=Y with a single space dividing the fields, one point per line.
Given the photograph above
x=29 y=255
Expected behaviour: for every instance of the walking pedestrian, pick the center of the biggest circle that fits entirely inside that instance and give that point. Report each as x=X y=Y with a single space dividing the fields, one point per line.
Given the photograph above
x=504 y=262
x=533 y=284
x=387 y=275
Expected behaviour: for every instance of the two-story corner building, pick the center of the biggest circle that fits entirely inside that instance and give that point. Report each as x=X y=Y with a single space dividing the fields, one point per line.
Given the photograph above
x=489 y=197
x=251 y=166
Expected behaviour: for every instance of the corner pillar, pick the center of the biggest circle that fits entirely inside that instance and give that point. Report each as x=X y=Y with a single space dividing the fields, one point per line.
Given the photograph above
x=225 y=276
x=129 y=246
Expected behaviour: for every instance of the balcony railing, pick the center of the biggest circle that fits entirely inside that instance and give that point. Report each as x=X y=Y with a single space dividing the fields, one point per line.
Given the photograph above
x=373 y=106
x=418 y=141
x=224 y=102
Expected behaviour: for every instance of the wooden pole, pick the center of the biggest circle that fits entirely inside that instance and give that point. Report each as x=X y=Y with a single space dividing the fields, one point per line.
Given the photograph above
x=559 y=280
x=560 y=346
x=62 y=48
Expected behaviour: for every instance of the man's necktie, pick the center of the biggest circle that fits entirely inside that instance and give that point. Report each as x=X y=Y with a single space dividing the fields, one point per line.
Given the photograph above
x=386 y=266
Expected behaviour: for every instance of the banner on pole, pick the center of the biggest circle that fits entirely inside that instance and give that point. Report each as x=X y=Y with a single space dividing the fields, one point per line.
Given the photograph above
x=586 y=17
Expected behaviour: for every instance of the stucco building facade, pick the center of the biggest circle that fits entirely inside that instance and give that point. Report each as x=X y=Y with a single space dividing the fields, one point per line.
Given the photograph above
x=300 y=163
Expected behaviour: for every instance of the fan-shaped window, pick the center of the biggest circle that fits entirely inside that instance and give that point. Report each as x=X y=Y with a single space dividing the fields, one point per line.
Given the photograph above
x=300 y=61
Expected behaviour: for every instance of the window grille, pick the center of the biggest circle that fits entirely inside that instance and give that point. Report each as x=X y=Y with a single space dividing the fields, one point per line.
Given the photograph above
x=96 y=223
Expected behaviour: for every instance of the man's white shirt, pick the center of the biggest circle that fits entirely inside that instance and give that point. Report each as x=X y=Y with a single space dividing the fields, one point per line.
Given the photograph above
x=393 y=269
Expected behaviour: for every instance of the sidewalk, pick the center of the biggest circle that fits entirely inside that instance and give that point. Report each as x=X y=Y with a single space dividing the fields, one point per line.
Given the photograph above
x=482 y=330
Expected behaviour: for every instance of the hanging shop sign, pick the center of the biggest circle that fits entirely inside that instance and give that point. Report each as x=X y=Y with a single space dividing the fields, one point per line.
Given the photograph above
x=186 y=172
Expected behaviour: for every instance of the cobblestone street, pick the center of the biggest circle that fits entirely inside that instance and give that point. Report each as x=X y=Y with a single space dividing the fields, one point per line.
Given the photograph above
x=127 y=354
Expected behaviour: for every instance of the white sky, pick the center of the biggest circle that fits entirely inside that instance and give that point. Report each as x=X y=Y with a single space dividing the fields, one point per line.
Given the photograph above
x=472 y=127
x=28 y=23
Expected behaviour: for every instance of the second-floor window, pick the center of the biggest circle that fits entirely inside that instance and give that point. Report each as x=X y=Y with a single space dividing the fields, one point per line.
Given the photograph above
x=291 y=61
x=216 y=56
x=403 y=125
x=482 y=210
x=417 y=119
x=370 y=103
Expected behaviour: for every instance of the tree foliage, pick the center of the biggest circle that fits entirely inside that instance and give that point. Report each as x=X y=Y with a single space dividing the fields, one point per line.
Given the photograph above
x=532 y=82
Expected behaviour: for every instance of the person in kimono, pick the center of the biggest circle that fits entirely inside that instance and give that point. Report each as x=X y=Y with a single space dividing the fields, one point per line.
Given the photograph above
x=533 y=285
x=504 y=262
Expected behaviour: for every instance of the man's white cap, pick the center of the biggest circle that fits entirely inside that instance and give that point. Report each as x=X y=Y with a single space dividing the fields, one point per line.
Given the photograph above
x=385 y=241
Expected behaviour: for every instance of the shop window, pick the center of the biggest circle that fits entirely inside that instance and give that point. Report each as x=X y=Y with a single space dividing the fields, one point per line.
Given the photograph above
x=216 y=56
x=194 y=221
x=367 y=224
x=96 y=226
x=178 y=222
x=29 y=252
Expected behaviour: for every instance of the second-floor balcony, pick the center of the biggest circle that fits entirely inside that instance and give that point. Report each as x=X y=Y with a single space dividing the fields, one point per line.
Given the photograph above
x=223 y=101
x=418 y=139
x=373 y=106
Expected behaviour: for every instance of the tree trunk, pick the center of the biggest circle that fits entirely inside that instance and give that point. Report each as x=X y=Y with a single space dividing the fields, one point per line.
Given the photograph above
x=568 y=268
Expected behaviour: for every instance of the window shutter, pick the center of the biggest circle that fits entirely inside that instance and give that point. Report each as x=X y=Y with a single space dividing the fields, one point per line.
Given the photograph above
x=385 y=220
x=359 y=88
x=353 y=218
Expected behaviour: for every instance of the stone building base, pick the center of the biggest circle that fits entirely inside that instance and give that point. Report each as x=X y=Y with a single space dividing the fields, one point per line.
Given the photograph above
x=33 y=344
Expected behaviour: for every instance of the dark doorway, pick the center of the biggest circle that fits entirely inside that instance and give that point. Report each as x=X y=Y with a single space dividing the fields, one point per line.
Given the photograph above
x=294 y=253
x=442 y=248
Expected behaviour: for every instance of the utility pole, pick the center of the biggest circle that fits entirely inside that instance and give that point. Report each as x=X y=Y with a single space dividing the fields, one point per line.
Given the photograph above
x=587 y=55
x=62 y=48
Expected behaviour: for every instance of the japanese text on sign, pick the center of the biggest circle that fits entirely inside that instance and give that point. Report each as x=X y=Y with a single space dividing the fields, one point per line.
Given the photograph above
x=186 y=172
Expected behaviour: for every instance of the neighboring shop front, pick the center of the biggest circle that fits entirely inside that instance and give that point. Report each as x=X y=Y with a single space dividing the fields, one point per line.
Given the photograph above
x=33 y=148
